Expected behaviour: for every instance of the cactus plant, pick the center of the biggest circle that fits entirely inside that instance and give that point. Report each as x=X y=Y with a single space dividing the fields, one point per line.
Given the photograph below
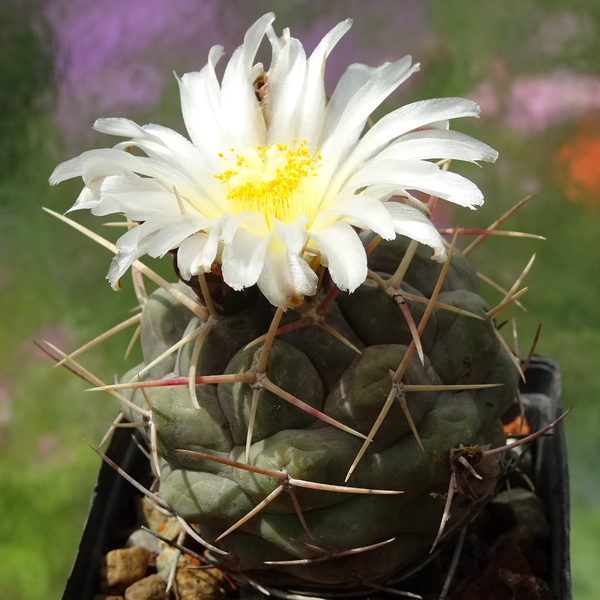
x=290 y=445
x=318 y=394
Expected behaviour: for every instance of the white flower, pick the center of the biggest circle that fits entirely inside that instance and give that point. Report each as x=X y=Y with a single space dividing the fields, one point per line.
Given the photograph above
x=277 y=177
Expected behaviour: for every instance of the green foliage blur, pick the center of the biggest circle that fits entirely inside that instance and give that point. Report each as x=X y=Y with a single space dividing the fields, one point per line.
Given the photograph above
x=52 y=284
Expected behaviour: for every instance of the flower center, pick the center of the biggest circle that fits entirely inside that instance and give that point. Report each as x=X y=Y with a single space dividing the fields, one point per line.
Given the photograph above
x=271 y=180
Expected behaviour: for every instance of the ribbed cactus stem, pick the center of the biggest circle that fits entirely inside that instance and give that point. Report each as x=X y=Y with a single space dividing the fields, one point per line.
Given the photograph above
x=324 y=443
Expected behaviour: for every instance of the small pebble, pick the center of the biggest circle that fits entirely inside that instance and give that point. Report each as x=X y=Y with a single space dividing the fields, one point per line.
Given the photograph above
x=152 y=587
x=208 y=584
x=523 y=507
x=122 y=567
x=144 y=539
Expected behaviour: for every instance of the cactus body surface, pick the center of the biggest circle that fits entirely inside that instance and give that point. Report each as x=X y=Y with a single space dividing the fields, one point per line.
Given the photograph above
x=348 y=378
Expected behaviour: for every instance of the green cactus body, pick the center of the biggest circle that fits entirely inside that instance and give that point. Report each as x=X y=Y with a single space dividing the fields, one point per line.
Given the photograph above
x=347 y=382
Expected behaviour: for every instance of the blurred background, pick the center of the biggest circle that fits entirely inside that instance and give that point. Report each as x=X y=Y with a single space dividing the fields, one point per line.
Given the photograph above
x=532 y=65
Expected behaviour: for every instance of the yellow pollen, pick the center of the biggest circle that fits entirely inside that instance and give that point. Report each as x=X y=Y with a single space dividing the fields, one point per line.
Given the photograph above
x=269 y=180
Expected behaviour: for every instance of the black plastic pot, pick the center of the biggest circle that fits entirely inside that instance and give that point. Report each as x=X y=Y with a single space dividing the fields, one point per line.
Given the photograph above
x=112 y=513
x=542 y=392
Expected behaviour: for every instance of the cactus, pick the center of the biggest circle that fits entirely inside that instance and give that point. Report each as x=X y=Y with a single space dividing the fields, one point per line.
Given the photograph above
x=319 y=396
x=340 y=362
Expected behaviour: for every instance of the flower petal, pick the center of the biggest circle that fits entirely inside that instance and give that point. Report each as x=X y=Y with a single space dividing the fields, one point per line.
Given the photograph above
x=432 y=143
x=95 y=172
x=252 y=221
x=185 y=166
x=419 y=175
x=364 y=211
x=197 y=253
x=286 y=278
x=244 y=258
x=385 y=192
x=412 y=223
x=410 y=117
x=292 y=235
x=241 y=113
x=355 y=114
x=131 y=245
x=124 y=128
x=286 y=79
x=201 y=106
x=430 y=113
x=353 y=78
x=165 y=145
x=134 y=197
x=344 y=254
x=311 y=105
x=125 y=160
x=173 y=233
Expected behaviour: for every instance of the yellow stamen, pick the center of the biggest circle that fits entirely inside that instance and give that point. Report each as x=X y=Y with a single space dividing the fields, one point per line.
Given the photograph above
x=270 y=180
